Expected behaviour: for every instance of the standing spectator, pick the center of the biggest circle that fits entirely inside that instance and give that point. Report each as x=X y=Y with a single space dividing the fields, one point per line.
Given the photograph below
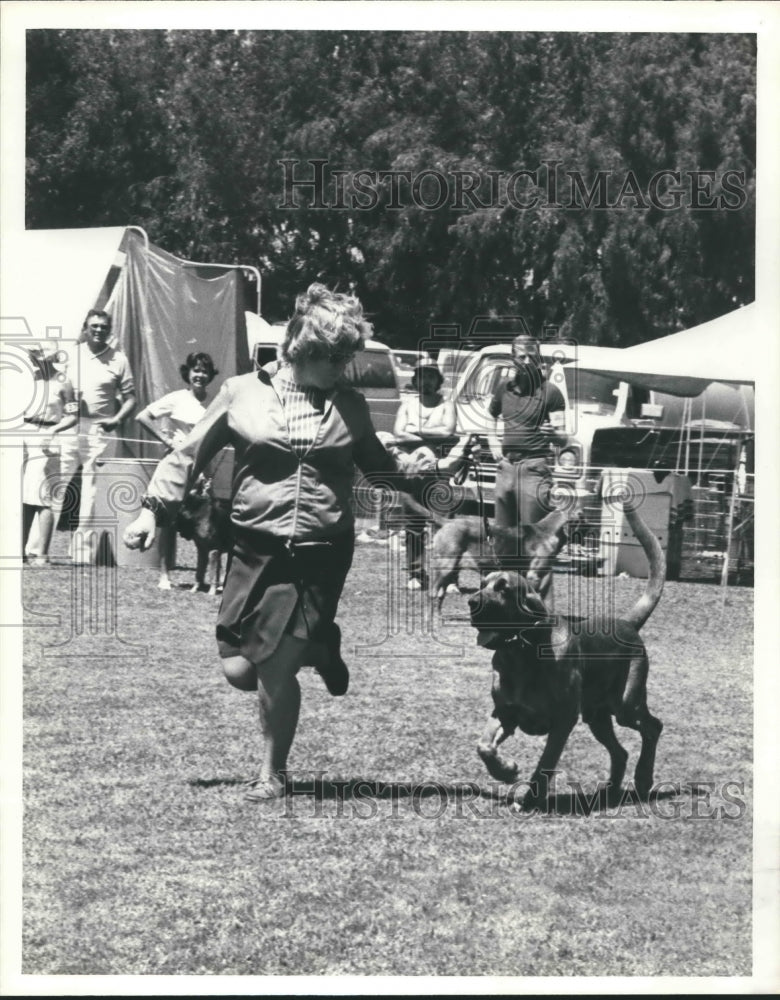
x=57 y=413
x=170 y=419
x=426 y=420
x=296 y=434
x=106 y=393
x=524 y=401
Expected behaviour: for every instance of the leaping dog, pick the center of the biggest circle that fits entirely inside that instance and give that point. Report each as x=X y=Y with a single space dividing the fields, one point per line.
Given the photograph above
x=547 y=671
x=531 y=548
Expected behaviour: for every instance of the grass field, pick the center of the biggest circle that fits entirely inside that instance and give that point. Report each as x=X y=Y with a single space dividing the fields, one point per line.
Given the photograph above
x=396 y=855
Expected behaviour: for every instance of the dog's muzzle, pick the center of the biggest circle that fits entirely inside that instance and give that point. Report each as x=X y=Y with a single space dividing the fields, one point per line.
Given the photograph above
x=491 y=632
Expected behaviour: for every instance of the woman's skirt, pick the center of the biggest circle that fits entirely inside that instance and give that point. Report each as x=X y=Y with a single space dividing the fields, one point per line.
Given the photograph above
x=40 y=470
x=272 y=590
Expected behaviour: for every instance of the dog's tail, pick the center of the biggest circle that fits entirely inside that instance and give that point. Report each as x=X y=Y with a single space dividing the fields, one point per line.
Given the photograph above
x=645 y=606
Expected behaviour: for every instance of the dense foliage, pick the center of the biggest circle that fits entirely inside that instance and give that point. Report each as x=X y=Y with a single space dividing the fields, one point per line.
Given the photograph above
x=184 y=133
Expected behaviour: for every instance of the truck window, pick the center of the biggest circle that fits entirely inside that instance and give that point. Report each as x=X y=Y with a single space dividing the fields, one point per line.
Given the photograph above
x=486 y=378
x=263 y=355
x=636 y=397
x=451 y=363
x=371 y=370
x=590 y=392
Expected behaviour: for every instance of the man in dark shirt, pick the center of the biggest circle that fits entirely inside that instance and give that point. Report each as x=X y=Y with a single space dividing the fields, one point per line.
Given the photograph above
x=524 y=402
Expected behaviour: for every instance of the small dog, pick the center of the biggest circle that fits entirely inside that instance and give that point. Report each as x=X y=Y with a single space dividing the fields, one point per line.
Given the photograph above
x=205 y=520
x=534 y=547
x=547 y=671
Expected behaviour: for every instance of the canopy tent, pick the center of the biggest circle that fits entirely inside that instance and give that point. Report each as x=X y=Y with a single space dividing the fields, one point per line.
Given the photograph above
x=705 y=379
x=51 y=277
x=163 y=308
x=727 y=349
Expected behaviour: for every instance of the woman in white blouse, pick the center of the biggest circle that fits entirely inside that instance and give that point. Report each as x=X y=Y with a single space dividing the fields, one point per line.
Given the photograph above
x=424 y=423
x=170 y=419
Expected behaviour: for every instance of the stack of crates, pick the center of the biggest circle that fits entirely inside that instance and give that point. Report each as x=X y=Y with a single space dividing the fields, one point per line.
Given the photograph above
x=704 y=537
x=662 y=505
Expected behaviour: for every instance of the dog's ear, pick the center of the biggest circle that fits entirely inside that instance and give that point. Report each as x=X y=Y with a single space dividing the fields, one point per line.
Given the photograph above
x=529 y=601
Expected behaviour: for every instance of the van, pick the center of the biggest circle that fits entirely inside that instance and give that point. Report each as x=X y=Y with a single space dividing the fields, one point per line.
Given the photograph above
x=593 y=401
x=405 y=363
x=371 y=372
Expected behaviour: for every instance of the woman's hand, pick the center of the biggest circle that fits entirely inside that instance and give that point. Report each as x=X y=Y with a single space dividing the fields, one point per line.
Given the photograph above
x=141 y=532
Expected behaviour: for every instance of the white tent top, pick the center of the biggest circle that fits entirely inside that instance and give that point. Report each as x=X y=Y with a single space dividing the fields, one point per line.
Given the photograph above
x=727 y=349
x=51 y=277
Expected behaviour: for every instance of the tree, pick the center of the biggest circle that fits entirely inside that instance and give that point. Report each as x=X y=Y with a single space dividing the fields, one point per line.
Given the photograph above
x=186 y=133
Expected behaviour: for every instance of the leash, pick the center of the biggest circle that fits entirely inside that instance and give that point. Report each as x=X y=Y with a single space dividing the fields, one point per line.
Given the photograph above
x=459 y=478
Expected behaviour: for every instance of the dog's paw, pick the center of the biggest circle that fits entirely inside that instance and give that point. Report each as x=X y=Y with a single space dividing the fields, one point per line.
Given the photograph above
x=164 y=584
x=497 y=767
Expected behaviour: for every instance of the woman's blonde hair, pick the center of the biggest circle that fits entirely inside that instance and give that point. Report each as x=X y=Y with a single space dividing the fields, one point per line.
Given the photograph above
x=325 y=323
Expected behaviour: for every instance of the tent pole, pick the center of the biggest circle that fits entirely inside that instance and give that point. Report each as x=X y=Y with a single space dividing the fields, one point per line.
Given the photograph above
x=724 y=579
x=701 y=432
x=687 y=410
x=680 y=440
x=145 y=309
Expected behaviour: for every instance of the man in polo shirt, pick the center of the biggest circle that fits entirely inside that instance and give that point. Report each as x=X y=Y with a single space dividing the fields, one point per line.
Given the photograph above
x=524 y=402
x=105 y=389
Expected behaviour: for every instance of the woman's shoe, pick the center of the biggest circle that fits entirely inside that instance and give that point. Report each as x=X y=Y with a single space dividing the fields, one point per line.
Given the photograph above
x=265 y=789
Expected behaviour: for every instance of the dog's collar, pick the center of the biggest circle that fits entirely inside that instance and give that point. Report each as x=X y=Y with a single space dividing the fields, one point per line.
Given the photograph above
x=522 y=635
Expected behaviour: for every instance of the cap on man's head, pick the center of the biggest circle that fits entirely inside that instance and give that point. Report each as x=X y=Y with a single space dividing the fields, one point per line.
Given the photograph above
x=426 y=366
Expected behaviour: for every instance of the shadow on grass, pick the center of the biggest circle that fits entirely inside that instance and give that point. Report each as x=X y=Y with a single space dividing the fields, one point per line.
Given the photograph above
x=368 y=788
x=578 y=802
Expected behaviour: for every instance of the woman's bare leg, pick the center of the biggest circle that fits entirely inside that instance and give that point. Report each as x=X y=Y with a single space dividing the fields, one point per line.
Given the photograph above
x=45 y=531
x=28 y=516
x=279 y=700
